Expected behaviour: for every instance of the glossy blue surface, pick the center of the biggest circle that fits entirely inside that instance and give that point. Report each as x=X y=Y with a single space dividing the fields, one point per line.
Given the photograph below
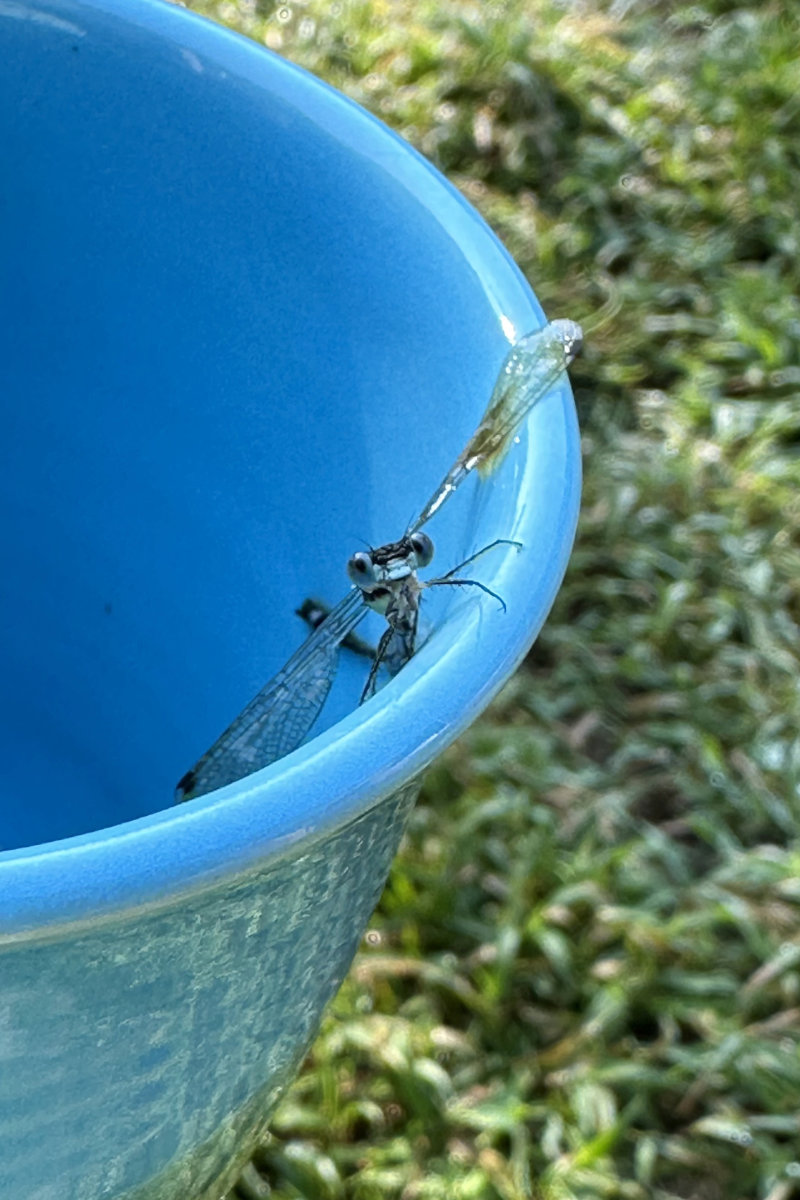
x=244 y=328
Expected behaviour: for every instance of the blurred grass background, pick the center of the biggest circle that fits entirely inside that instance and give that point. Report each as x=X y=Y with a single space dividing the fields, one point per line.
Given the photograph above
x=583 y=979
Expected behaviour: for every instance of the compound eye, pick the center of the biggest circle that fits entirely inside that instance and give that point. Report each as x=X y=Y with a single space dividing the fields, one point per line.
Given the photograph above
x=361 y=569
x=422 y=546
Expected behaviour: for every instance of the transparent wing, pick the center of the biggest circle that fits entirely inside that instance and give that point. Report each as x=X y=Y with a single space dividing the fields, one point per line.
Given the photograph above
x=279 y=717
x=532 y=367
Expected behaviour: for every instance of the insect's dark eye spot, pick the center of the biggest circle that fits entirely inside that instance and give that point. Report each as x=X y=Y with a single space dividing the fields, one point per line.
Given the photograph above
x=422 y=546
x=361 y=569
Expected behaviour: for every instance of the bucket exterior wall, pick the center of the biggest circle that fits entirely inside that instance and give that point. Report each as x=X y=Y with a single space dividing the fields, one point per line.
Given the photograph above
x=141 y=1057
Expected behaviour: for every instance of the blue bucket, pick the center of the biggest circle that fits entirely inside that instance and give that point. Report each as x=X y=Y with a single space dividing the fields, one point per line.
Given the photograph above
x=245 y=330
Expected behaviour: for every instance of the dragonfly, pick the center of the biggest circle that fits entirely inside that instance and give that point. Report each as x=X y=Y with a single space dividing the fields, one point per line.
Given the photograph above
x=385 y=580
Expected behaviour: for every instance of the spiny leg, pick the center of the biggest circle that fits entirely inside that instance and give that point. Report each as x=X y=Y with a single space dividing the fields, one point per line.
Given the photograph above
x=314 y=613
x=445 y=582
x=402 y=616
x=380 y=654
x=497 y=542
x=448 y=579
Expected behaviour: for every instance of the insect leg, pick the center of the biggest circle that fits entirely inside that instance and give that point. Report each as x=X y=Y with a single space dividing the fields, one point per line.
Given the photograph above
x=472 y=557
x=445 y=582
x=380 y=654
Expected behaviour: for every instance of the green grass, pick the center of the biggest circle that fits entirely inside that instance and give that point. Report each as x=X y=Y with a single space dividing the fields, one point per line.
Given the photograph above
x=583 y=979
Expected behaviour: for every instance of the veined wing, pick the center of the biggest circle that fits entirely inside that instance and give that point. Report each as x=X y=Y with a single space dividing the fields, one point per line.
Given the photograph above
x=277 y=719
x=532 y=367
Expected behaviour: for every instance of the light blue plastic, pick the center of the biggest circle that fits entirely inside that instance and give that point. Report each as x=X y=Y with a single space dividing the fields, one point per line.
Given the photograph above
x=244 y=329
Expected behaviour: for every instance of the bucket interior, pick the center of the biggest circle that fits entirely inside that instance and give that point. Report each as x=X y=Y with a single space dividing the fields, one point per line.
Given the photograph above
x=227 y=335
